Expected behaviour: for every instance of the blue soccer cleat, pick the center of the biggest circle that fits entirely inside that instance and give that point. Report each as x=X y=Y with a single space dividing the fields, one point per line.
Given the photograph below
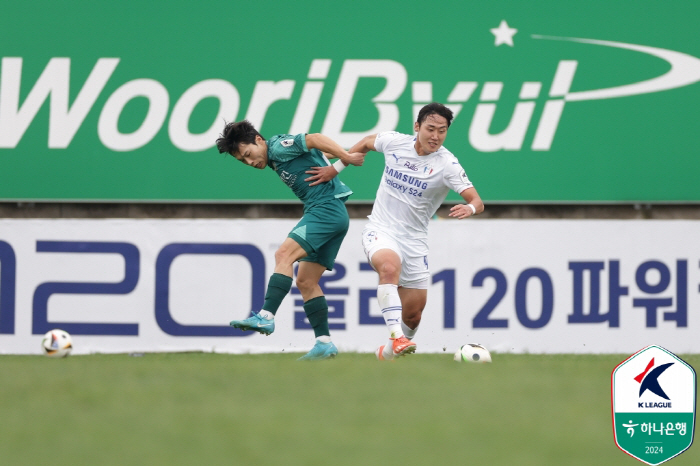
x=256 y=323
x=320 y=351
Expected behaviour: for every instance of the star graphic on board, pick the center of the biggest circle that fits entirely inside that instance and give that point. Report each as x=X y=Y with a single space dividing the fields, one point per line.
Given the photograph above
x=504 y=34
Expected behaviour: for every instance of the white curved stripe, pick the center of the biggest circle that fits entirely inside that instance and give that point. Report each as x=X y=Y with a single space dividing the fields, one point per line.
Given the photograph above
x=685 y=70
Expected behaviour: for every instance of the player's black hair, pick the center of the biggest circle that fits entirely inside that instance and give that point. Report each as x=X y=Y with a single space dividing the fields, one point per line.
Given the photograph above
x=432 y=109
x=242 y=132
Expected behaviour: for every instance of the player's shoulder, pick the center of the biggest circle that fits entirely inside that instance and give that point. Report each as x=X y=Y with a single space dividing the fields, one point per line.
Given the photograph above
x=393 y=137
x=392 y=140
x=446 y=156
x=284 y=140
x=286 y=145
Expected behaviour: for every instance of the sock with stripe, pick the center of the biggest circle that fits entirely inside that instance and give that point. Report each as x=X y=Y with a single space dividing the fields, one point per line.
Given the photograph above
x=390 y=305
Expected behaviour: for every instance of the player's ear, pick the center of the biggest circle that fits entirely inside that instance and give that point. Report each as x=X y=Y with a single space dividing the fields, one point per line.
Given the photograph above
x=416 y=127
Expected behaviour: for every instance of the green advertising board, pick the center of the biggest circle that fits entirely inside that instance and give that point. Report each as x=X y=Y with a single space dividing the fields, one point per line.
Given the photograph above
x=555 y=102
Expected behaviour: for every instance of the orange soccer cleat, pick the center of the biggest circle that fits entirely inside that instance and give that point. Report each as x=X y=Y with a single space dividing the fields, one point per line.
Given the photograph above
x=402 y=346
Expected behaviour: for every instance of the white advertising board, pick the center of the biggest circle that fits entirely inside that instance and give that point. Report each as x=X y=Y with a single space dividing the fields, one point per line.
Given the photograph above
x=540 y=286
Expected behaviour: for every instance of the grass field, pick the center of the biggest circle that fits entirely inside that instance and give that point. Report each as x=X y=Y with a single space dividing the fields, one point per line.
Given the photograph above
x=215 y=409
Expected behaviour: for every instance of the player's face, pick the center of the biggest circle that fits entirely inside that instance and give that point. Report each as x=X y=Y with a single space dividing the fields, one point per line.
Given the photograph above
x=254 y=155
x=431 y=134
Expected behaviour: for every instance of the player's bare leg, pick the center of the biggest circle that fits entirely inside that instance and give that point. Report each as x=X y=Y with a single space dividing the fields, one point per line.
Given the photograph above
x=413 y=301
x=308 y=276
x=277 y=288
x=286 y=255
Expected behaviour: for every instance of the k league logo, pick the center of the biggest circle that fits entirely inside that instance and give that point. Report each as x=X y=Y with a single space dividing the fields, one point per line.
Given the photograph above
x=651 y=381
x=653 y=404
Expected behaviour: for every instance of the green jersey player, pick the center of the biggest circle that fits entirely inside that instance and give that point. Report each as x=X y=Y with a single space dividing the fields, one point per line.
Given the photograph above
x=316 y=239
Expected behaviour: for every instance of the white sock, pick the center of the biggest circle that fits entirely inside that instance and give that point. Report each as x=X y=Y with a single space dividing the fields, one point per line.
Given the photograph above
x=409 y=332
x=390 y=304
x=266 y=314
x=388 y=352
x=324 y=339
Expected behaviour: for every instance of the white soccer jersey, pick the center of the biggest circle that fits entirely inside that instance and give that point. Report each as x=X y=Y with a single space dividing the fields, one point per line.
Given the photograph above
x=413 y=186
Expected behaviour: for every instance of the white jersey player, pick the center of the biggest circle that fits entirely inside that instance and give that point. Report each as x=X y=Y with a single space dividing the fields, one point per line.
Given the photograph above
x=418 y=175
x=413 y=186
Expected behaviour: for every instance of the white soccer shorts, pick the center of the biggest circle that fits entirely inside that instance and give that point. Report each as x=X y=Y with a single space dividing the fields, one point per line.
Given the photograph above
x=413 y=254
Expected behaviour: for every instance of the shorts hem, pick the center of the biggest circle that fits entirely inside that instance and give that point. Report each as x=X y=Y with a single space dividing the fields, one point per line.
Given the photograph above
x=423 y=284
x=302 y=242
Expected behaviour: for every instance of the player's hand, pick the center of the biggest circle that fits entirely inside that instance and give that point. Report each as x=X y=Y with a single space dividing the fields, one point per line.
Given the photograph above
x=320 y=175
x=460 y=211
x=356 y=158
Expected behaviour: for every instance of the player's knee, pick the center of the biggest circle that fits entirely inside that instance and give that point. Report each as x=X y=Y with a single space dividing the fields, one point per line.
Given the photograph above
x=283 y=255
x=389 y=272
x=306 y=285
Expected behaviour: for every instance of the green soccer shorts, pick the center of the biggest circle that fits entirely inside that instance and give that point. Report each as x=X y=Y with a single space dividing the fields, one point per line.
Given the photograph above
x=321 y=231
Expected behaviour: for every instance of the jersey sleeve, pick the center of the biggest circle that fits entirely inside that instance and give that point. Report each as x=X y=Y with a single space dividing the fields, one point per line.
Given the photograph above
x=383 y=141
x=455 y=177
x=285 y=147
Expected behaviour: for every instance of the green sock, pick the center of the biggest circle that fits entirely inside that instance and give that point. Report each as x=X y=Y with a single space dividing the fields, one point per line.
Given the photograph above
x=317 y=311
x=277 y=288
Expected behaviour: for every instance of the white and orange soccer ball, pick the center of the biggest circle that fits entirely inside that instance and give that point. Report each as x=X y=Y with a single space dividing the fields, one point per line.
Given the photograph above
x=472 y=352
x=57 y=343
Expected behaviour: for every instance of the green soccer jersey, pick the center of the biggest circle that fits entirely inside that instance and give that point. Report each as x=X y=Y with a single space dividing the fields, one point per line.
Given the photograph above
x=290 y=158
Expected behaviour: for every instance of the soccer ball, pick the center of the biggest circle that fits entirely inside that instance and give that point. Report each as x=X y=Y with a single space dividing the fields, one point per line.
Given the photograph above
x=472 y=352
x=57 y=344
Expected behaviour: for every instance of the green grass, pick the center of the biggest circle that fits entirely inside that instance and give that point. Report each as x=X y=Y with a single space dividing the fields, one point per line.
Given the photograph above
x=215 y=409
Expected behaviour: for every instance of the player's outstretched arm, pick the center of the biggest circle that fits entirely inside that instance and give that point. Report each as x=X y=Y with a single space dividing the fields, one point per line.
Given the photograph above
x=365 y=144
x=464 y=210
x=357 y=151
x=329 y=146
